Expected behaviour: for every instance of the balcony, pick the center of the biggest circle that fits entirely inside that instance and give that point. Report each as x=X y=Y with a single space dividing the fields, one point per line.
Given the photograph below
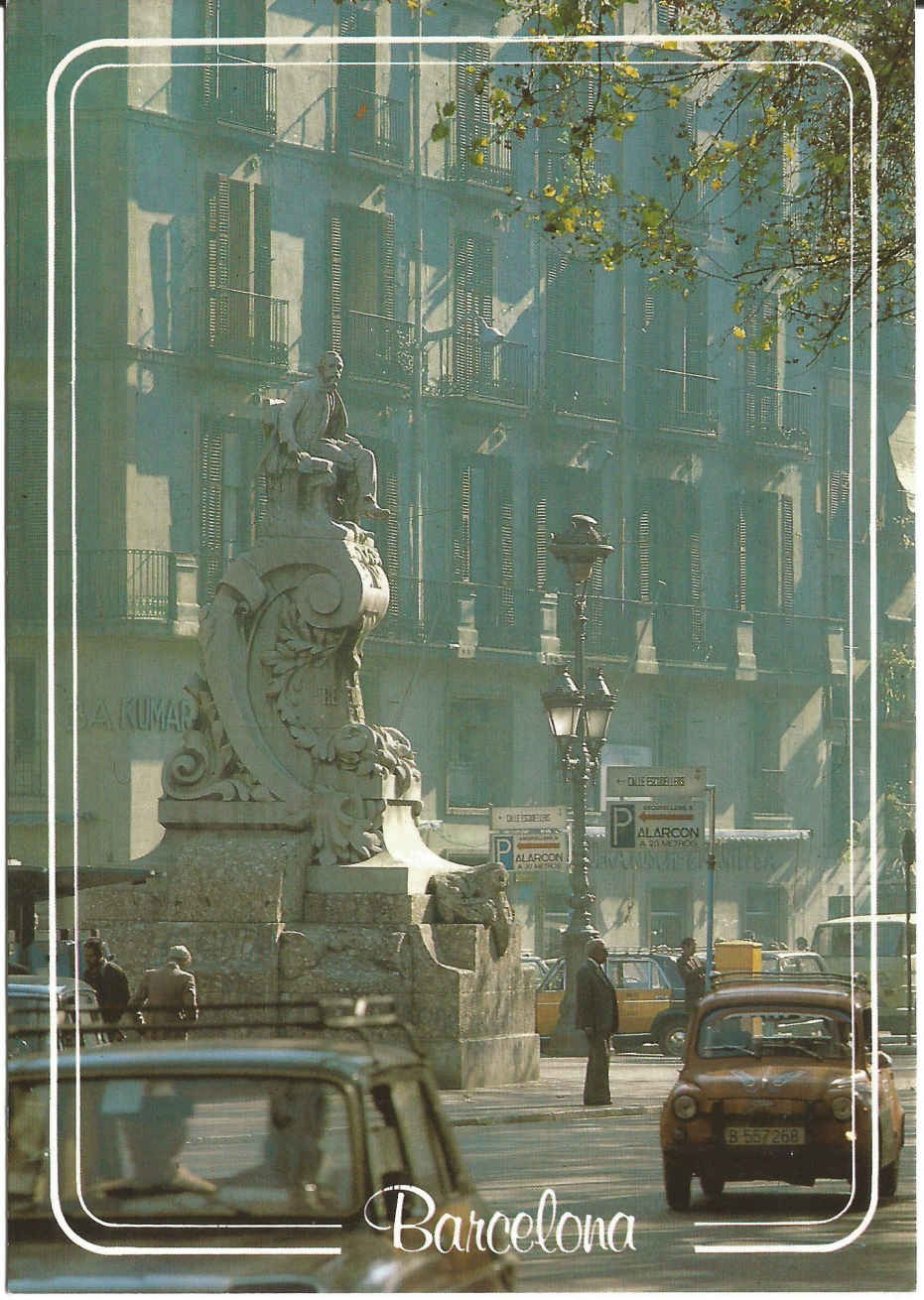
x=778 y=418
x=377 y=347
x=494 y=168
x=687 y=402
x=371 y=126
x=249 y=326
x=500 y=372
x=587 y=386
x=244 y=94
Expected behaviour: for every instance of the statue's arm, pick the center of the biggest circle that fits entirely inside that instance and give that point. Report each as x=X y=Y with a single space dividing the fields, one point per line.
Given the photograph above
x=289 y=413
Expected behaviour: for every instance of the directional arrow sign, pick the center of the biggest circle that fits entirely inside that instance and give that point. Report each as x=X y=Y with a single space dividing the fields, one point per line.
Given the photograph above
x=678 y=783
x=655 y=826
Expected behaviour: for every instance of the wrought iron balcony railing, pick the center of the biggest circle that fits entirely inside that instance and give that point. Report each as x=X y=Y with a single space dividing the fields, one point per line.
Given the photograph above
x=379 y=348
x=689 y=401
x=581 y=385
x=112 y=585
x=244 y=93
x=488 y=164
x=251 y=326
x=371 y=125
x=780 y=417
x=469 y=368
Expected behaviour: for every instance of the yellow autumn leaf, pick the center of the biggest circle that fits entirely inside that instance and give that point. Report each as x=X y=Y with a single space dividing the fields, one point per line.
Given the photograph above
x=739 y=332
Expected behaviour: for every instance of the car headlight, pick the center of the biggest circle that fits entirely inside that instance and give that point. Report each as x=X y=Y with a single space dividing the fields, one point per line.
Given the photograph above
x=841 y=1107
x=684 y=1106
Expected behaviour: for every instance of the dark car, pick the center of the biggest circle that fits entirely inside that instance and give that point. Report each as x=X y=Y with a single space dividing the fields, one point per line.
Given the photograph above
x=777 y=1084
x=256 y=1164
x=650 y=994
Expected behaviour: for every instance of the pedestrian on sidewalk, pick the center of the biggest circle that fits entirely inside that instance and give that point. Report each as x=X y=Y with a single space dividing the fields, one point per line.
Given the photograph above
x=166 y=997
x=598 y=1015
x=110 y=984
x=693 y=974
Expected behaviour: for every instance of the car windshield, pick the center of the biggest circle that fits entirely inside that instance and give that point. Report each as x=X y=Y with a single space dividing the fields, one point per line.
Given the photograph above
x=775 y=1031
x=214 y=1147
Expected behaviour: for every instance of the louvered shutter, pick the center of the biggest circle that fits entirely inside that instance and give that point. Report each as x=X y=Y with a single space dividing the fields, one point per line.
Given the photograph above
x=696 y=328
x=336 y=279
x=218 y=219
x=388 y=531
x=473 y=117
x=211 y=522
x=356 y=106
x=698 y=624
x=262 y=240
x=541 y=542
x=503 y=493
x=838 y=503
x=387 y=277
x=462 y=522
x=210 y=54
x=643 y=548
x=741 y=550
x=473 y=296
x=787 y=555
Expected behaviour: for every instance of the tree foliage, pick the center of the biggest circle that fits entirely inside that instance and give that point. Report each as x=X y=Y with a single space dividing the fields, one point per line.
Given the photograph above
x=752 y=161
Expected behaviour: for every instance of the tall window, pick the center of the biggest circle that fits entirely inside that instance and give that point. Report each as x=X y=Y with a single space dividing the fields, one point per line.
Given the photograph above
x=669 y=915
x=483 y=533
x=367 y=123
x=231 y=498
x=669 y=543
x=477 y=158
x=473 y=296
x=362 y=294
x=239 y=88
x=478 y=769
x=243 y=320
x=677 y=326
x=765 y=549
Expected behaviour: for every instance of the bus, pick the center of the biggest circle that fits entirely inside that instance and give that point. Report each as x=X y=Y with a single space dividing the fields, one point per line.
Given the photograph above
x=832 y=942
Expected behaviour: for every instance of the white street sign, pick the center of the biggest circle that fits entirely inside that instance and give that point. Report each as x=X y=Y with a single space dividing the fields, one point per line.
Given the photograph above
x=655 y=826
x=655 y=782
x=531 y=850
x=547 y=819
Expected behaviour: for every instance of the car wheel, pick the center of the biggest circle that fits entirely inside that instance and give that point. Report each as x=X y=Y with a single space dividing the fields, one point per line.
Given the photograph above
x=677 y=1179
x=888 y=1179
x=713 y=1185
x=672 y=1037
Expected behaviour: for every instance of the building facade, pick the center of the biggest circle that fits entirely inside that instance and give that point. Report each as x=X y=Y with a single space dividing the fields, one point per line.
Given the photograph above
x=233 y=210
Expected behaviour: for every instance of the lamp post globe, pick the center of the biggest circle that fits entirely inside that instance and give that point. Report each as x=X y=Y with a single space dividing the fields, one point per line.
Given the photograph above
x=578 y=713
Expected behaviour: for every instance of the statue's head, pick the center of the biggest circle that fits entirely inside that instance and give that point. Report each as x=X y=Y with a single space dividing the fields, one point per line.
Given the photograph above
x=330 y=368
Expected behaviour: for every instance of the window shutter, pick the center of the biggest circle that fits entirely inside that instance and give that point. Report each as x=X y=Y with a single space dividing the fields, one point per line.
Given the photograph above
x=643 y=544
x=388 y=531
x=262 y=241
x=336 y=279
x=787 y=555
x=386 y=286
x=696 y=572
x=218 y=221
x=504 y=493
x=838 y=503
x=211 y=524
x=210 y=71
x=473 y=117
x=462 y=532
x=541 y=524
x=741 y=594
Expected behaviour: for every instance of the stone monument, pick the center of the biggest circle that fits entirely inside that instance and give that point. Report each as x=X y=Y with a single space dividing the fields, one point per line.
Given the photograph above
x=291 y=863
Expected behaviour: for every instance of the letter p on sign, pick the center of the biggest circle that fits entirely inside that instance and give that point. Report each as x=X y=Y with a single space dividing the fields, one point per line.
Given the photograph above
x=622 y=826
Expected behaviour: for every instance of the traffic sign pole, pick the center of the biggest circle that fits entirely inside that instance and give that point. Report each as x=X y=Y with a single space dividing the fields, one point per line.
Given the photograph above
x=710 y=887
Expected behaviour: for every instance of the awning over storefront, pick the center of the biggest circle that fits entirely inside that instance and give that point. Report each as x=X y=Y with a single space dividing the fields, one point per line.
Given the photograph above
x=744 y=849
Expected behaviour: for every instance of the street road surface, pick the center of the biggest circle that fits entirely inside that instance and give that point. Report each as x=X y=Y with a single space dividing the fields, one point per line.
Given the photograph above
x=600 y=1165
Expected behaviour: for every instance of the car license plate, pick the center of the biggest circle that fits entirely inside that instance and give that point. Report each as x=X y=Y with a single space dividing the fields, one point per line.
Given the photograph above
x=765 y=1135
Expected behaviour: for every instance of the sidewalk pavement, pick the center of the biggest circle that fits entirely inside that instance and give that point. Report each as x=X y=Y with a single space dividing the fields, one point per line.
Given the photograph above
x=639 y=1084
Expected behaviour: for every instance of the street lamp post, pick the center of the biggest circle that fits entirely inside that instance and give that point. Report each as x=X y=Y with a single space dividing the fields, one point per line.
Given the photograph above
x=578 y=713
x=908 y=857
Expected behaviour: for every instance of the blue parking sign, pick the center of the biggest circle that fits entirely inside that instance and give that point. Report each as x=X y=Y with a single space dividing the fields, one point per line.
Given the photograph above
x=503 y=850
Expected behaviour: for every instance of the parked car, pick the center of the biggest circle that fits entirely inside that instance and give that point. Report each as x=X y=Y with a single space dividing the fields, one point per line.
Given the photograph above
x=776 y=1084
x=649 y=991
x=278 y=1161
x=29 y=1013
x=791 y=963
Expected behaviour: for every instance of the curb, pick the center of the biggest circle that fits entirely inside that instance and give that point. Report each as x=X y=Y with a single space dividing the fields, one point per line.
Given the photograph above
x=547 y=1113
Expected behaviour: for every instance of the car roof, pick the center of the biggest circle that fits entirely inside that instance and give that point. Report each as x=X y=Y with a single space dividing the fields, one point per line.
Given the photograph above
x=349 y=1059
x=756 y=993
x=39 y=986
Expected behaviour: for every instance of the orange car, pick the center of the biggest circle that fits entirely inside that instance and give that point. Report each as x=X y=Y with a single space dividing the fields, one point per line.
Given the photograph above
x=777 y=1084
x=649 y=991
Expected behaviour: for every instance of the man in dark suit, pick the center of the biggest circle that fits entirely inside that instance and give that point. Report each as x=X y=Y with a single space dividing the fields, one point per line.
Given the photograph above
x=598 y=1015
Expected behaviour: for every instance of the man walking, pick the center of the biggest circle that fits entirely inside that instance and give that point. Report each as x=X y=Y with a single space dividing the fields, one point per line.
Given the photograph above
x=598 y=1015
x=166 y=996
x=110 y=984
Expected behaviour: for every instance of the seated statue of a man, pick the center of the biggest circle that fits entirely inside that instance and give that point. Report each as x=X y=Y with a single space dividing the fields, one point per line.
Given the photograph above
x=313 y=435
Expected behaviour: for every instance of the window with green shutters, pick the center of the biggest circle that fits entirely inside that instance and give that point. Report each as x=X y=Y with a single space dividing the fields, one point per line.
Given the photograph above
x=669 y=565
x=477 y=157
x=764 y=542
x=363 y=325
x=243 y=320
x=478 y=750
x=232 y=497
x=483 y=539
x=238 y=88
x=472 y=296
